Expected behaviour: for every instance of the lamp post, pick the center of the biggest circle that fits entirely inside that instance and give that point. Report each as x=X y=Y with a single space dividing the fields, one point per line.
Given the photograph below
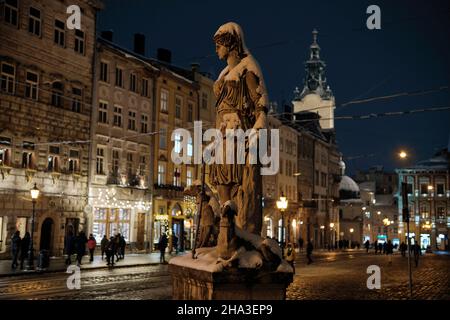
x=282 y=206
x=406 y=217
x=34 y=195
x=351 y=236
x=332 y=240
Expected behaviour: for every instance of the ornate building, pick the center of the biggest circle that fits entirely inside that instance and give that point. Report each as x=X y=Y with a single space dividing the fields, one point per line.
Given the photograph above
x=45 y=112
x=428 y=187
x=121 y=167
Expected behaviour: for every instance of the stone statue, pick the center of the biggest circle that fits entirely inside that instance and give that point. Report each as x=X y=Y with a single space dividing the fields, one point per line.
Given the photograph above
x=242 y=103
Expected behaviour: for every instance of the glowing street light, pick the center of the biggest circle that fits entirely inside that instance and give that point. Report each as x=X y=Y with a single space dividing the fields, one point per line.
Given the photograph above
x=34 y=196
x=403 y=154
x=282 y=205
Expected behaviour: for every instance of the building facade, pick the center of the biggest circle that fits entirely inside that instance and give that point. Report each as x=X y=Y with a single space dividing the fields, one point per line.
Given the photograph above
x=120 y=199
x=45 y=112
x=428 y=188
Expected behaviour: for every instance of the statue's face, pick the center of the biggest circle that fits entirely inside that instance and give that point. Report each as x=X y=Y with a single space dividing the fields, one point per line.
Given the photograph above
x=222 y=51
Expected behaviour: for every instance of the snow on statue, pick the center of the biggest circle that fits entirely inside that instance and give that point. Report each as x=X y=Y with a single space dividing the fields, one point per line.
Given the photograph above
x=242 y=103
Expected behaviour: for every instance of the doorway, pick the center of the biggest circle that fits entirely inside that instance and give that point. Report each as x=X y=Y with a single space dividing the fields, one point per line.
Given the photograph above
x=46 y=235
x=140 y=231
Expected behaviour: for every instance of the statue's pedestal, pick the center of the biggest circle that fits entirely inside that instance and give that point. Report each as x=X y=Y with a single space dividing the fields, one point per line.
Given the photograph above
x=190 y=283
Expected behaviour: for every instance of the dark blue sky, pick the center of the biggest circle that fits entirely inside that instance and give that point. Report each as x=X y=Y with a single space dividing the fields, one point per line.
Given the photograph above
x=411 y=52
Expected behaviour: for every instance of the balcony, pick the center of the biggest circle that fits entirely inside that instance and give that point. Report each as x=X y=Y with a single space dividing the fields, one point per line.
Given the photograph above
x=168 y=191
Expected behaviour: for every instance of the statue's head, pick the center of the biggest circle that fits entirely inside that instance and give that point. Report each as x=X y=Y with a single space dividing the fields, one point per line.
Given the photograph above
x=228 y=38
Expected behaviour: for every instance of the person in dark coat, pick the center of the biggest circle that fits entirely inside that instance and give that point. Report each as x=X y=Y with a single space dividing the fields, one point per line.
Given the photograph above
x=103 y=245
x=403 y=248
x=375 y=244
x=417 y=253
x=380 y=248
x=309 y=250
x=24 y=246
x=69 y=245
x=300 y=244
x=110 y=251
x=389 y=251
x=122 y=245
x=81 y=241
x=15 y=248
x=367 y=245
x=162 y=247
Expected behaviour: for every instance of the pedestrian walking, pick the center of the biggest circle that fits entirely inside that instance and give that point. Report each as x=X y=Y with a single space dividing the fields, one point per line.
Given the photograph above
x=175 y=243
x=103 y=245
x=367 y=245
x=162 y=247
x=92 y=243
x=290 y=255
x=380 y=248
x=375 y=244
x=80 y=244
x=300 y=244
x=309 y=250
x=15 y=248
x=117 y=247
x=403 y=249
x=69 y=246
x=110 y=252
x=24 y=247
x=417 y=253
x=389 y=251
x=122 y=245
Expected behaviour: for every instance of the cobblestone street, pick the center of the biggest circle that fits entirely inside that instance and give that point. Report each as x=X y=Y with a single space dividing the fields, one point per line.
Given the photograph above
x=344 y=276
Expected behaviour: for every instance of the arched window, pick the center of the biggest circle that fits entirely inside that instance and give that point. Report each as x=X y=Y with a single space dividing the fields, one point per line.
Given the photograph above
x=269 y=227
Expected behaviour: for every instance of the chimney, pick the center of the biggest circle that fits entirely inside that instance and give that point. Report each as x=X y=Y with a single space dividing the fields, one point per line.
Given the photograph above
x=164 y=55
x=195 y=66
x=139 y=44
x=107 y=35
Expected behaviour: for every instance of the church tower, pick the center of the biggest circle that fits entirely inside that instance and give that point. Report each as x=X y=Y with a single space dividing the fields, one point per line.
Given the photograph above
x=316 y=95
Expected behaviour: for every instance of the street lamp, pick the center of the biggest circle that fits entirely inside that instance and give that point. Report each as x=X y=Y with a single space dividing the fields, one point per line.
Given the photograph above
x=282 y=206
x=351 y=236
x=402 y=154
x=34 y=195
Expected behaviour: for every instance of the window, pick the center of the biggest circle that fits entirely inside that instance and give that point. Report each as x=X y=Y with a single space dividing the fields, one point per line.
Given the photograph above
x=57 y=93
x=52 y=161
x=204 y=100
x=269 y=227
x=117 y=121
x=317 y=178
x=144 y=123
x=189 y=177
x=281 y=166
x=129 y=163
x=190 y=148
x=27 y=155
x=74 y=161
x=8 y=78
x=144 y=91
x=161 y=173
x=164 y=100
x=163 y=138
x=132 y=120
x=177 y=143
x=100 y=160
x=119 y=77
x=424 y=188
x=142 y=166
x=34 y=21
x=5 y=151
x=115 y=162
x=190 y=112
x=440 y=212
x=178 y=103
x=324 y=179
x=79 y=41
x=103 y=112
x=177 y=177
x=424 y=211
x=133 y=82
x=11 y=12
x=60 y=33
x=440 y=188
x=110 y=222
x=104 y=71
x=31 y=87
x=76 y=99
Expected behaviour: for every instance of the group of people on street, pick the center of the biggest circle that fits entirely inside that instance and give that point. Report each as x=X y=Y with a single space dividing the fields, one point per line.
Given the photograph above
x=19 y=249
x=115 y=246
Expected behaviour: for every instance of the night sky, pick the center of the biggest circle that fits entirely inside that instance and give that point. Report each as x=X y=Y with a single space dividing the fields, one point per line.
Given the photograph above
x=410 y=53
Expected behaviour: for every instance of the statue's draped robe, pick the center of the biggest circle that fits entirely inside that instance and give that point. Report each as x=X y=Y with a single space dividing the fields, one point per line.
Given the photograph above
x=241 y=94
